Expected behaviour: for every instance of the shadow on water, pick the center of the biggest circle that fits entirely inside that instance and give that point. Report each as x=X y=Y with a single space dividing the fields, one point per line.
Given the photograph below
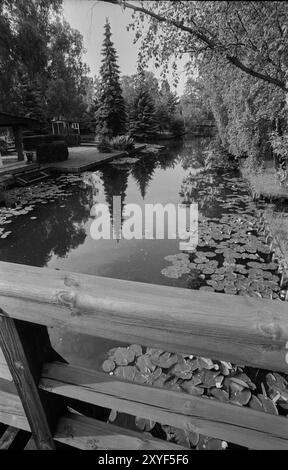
x=58 y=233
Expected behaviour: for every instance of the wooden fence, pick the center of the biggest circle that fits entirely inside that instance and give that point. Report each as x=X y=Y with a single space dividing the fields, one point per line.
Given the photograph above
x=35 y=384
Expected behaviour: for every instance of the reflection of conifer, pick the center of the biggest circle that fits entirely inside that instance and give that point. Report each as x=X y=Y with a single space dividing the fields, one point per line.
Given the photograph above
x=142 y=172
x=115 y=183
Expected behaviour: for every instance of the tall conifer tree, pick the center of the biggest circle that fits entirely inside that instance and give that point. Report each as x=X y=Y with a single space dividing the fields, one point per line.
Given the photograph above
x=110 y=115
x=143 y=123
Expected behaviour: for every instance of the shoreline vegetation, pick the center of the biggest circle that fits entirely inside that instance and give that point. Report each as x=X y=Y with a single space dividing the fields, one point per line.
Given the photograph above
x=264 y=183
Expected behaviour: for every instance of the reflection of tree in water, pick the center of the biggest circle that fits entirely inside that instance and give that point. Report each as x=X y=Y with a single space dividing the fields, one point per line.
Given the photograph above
x=142 y=172
x=115 y=182
x=57 y=230
x=167 y=159
x=193 y=152
x=202 y=189
x=93 y=181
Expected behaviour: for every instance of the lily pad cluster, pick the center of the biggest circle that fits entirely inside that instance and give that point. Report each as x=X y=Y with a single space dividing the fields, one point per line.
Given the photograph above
x=197 y=376
x=23 y=200
x=232 y=255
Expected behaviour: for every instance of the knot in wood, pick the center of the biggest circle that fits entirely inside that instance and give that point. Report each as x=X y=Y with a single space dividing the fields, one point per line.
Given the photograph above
x=19 y=365
x=70 y=282
x=67 y=298
x=92 y=444
x=271 y=330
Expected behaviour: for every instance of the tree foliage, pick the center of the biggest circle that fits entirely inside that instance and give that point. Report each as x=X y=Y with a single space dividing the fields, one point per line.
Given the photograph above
x=239 y=53
x=143 y=119
x=166 y=103
x=110 y=115
x=194 y=105
x=41 y=65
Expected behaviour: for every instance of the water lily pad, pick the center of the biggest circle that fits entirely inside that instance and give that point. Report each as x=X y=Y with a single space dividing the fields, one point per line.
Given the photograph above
x=123 y=356
x=126 y=372
x=206 y=289
x=268 y=404
x=240 y=397
x=166 y=360
x=145 y=364
x=220 y=394
x=108 y=365
x=188 y=387
x=144 y=424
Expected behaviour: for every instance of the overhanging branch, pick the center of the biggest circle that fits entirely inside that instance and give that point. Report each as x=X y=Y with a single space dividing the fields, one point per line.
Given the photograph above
x=206 y=40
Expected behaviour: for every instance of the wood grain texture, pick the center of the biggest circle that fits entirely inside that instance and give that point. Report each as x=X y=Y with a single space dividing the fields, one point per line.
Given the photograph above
x=241 y=425
x=8 y=437
x=23 y=379
x=82 y=432
x=89 y=434
x=4 y=369
x=12 y=412
x=240 y=329
x=30 y=445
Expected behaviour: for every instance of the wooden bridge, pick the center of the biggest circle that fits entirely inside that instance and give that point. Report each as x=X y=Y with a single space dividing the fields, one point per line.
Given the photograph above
x=36 y=384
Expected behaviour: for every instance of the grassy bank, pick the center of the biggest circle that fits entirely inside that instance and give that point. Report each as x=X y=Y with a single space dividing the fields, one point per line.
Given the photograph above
x=277 y=222
x=264 y=183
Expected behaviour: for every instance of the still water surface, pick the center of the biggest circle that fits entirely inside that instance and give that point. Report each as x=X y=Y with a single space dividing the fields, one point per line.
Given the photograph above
x=58 y=234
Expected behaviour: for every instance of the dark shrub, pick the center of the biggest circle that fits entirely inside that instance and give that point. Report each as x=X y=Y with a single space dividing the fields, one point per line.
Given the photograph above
x=32 y=142
x=72 y=139
x=52 y=152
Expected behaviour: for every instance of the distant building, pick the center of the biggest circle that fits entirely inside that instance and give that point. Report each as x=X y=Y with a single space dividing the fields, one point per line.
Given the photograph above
x=65 y=127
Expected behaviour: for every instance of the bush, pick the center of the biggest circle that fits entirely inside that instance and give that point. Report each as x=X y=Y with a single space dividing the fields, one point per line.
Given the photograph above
x=72 y=139
x=217 y=158
x=52 y=152
x=279 y=144
x=104 y=145
x=122 y=142
x=32 y=142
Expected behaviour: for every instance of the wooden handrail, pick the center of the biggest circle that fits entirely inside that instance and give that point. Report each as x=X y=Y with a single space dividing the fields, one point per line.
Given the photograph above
x=239 y=329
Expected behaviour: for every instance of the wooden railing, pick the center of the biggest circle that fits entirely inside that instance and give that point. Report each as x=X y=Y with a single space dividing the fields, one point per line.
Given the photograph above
x=36 y=385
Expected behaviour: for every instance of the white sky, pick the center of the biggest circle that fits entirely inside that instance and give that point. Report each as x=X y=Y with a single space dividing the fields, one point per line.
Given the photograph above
x=89 y=18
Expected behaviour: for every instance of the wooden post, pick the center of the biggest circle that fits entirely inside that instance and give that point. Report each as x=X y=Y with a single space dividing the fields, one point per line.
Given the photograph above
x=19 y=143
x=24 y=371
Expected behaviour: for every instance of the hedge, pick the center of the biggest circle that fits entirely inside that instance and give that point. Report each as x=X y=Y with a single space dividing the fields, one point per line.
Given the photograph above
x=52 y=152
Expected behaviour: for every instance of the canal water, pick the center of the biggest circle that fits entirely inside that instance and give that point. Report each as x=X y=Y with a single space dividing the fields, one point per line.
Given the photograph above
x=49 y=225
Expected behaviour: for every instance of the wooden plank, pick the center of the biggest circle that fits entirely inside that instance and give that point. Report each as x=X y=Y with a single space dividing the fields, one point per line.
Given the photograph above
x=12 y=412
x=8 y=437
x=4 y=369
x=89 y=434
x=24 y=381
x=241 y=425
x=240 y=329
x=82 y=432
x=30 y=445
